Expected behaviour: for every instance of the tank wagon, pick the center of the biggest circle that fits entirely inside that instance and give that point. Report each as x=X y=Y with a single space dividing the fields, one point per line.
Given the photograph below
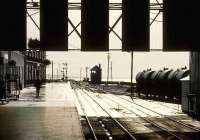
x=161 y=84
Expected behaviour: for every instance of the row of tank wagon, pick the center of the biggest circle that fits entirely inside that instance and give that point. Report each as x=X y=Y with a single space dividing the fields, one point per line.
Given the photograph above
x=162 y=83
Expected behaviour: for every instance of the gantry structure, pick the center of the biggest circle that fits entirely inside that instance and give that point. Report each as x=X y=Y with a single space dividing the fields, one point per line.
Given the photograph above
x=35 y=5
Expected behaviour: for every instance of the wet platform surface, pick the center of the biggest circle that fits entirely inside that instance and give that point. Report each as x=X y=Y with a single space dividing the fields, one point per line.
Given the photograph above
x=51 y=117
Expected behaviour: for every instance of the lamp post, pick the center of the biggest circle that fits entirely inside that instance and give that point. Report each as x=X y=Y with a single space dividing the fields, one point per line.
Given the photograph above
x=86 y=72
x=80 y=73
x=52 y=71
x=111 y=71
x=131 y=73
x=108 y=56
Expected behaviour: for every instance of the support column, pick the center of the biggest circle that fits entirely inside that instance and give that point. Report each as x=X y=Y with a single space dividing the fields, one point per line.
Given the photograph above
x=194 y=96
x=131 y=73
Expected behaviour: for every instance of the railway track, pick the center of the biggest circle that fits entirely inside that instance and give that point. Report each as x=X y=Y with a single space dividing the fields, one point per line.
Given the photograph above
x=160 y=114
x=167 y=126
x=177 y=122
x=172 y=131
x=114 y=91
x=167 y=106
x=167 y=134
x=94 y=136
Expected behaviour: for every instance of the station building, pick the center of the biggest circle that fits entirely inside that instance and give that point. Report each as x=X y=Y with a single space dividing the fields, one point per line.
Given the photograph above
x=26 y=65
x=35 y=66
x=96 y=74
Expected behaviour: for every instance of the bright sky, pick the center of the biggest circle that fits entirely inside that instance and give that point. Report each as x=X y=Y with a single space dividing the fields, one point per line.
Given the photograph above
x=120 y=60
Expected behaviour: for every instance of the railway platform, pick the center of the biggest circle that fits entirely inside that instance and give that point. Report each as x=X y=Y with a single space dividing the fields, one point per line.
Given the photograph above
x=53 y=116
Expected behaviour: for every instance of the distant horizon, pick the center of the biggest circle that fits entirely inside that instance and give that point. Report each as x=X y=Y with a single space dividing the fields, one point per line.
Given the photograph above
x=118 y=79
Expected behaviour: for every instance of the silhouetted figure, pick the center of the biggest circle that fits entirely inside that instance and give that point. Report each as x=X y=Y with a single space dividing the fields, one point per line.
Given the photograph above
x=2 y=90
x=37 y=86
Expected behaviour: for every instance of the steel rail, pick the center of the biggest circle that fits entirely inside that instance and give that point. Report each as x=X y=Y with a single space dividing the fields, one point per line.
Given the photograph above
x=179 y=122
x=99 y=118
x=117 y=122
x=149 y=121
x=85 y=115
x=106 y=132
x=125 y=93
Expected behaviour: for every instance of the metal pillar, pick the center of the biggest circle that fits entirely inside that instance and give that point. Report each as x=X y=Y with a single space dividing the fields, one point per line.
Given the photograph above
x=131 y=72
x=52 y=71
x=108 y=56
x=194 y=96
x=111 y=71
x=86 y=72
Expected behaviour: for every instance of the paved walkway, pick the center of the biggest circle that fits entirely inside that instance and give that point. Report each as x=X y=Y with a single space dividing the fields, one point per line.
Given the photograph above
x=51 y=117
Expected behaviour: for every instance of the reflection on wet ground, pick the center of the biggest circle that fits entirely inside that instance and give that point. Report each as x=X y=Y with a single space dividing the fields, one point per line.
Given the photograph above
x=51 y=117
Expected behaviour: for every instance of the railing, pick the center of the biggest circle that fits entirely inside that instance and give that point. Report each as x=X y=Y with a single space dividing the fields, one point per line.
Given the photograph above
x=35 y=55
